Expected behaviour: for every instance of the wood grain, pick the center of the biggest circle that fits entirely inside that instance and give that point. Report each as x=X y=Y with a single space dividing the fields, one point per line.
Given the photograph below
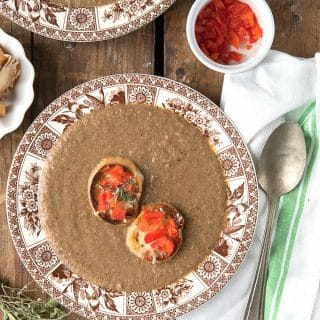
x=179 y=62
x=297 y=26
x=11 y=269
x=59 y=69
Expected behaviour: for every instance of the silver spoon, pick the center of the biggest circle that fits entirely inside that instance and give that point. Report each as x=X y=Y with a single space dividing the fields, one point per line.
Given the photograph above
x=280 y=170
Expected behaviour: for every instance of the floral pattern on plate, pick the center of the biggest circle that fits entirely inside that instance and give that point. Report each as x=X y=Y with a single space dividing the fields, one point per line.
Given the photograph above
x=83 y=292
x=83 y=24
x=140 y=303
x=141 y=94
x=171 y=295
x=44 y=141
x=126 y=9
x=29 y=201
x=44 y=257
x=81 y=19
x=211 y=268
x=230 y=163
x=86 y=298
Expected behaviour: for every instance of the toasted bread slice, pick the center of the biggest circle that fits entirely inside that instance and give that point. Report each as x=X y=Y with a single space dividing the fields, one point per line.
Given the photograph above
x=119 y=193
x=156 y=234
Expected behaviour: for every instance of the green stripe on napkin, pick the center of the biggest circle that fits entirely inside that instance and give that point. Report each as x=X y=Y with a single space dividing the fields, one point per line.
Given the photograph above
x=290 y=210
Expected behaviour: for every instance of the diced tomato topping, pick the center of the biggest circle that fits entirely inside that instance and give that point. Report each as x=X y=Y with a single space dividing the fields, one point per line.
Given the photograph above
x=108 y=198
x=248 y=19
x=234 y=39
x=116 y=181
x=161 y=230
x=108 y=195
x=151 y=224
x=154 y=235
x=172 y=228
x=151 y=220
x=152 y=214
x=116 y=175
x=104 y=182
x=235 y=9
x=143 y=225
x=118 y=213
x=116 y=170
x=105 y=169
x=156 y=224
x=103 y=198
x=164 y=245
x=127 y=175
x=102 y=205
x=223 y=24
x=218 y=4
x=235 y=56
x=119 y=173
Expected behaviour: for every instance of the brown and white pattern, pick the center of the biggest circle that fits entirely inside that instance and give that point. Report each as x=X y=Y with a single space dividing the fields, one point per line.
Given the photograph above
x=83 y=24
x=141 y=94
x=140 y=303
x=127 y=9
x=211 y=268
x=44 y=257
x=28 y=193
x=78 y=294
x=171 y=295
x=230 y=163
x=81 y=19
x=83 y=292
x=44 y=141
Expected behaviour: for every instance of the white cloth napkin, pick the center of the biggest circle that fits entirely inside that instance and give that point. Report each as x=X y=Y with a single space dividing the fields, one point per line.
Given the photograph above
x=279 y=89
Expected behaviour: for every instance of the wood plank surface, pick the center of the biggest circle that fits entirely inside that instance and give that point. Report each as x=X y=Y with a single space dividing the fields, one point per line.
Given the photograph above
x=11 y=269
x=297 y=26
x=179 y=62
x=59 y=69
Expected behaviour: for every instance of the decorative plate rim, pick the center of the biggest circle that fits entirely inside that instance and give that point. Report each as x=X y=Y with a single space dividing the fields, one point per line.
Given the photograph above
x=62 y=22
x=174 y=88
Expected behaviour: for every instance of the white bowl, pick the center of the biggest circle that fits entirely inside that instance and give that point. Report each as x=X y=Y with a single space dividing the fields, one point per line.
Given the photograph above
x=22 y=95
x=254 y=56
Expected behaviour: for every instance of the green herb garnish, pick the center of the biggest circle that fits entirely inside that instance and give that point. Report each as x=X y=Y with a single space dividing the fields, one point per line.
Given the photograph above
x=121 y=193
x=16 y=305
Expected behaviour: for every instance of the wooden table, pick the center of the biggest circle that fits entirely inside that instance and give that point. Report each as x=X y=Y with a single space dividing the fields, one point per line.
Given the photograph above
x=160 y=48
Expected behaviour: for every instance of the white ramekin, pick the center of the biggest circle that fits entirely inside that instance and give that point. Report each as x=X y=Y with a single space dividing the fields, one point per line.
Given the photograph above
x=254 y=56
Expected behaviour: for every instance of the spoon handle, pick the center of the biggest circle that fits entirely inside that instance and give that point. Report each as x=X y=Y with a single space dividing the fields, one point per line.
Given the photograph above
x=255 y=306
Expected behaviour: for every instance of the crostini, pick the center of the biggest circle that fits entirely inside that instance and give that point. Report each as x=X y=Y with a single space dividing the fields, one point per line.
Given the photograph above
x=156 y=234
x=114 y=190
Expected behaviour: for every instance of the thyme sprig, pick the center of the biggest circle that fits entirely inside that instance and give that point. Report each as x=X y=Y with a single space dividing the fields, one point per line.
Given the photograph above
x=16 y=305
x=121 y=193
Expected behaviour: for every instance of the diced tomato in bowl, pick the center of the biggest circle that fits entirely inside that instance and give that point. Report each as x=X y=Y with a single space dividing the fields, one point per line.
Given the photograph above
x=230 y=36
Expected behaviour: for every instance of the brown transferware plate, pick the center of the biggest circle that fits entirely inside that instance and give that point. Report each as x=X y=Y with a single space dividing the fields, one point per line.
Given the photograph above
x=87 y=298
x=83 y=20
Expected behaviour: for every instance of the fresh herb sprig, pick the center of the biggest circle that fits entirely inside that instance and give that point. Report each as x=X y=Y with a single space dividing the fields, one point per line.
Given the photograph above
x=121 y=193
x=16 y=305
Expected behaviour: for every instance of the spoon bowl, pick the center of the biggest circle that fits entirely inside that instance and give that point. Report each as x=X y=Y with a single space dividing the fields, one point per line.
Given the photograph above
x=283 y=160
